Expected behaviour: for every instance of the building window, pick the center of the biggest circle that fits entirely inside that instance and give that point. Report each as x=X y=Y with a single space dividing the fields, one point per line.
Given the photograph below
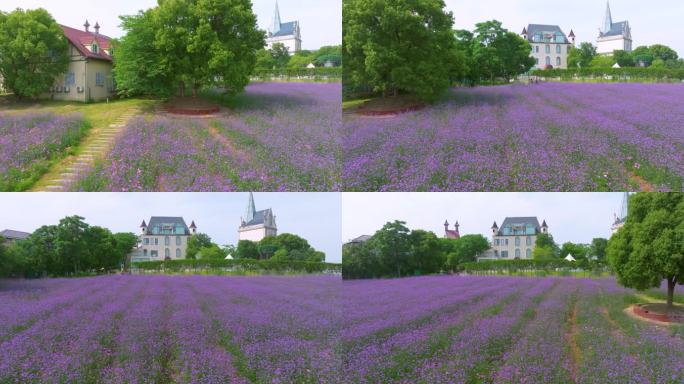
x=145 y=252
x=528 y=253
x=558 y=61
x=94 y=48
x=496 y=241
x=156 y=241
x=147 y=241
x=528 y=241
x=558 y=49
x=167 y=241
x=178 y=253
x=517 y=253
x=178 y=240
x=506 y=241
x=154 y=253
x=548 y=60
x=167 y=253
x=517 y=241
x=70 y=79
x=504 y=254
x=99 y=79
x=548 y=48
x=536 y=48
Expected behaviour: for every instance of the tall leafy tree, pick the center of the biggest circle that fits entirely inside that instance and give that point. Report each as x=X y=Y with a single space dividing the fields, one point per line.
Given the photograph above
x=598 y=248
x=498 y=53
x=623 y=58
x=398 y=46
x=197 y=242
x=581 y=57
x=33 y=52
x=466 y=249
x=649 y=249
x=280 y=54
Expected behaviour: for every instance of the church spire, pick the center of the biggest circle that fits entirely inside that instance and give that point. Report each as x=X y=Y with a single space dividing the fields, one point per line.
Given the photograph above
x=608 y=22
x=275 y=27
x=251 y=210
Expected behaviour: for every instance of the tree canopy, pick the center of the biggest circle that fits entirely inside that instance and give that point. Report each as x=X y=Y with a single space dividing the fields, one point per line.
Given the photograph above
x=69 y=248
x=188 y=43
x=397 y=46
x=499 y=53
x=197 y=242
x=650 y=246
x=581 y=57
x=284 y=247
x=33 y=52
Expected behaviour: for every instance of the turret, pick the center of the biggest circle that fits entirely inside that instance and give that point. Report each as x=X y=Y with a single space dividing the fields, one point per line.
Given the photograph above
x=544 y=227
x=456 y=227
x=572 y=37
x=143 y=227
x=193 y=227
x=446 y=226
x=524 y=33
x=495 y=229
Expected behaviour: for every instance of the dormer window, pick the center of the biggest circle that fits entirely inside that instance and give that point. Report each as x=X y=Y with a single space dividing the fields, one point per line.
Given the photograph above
x=94 y=48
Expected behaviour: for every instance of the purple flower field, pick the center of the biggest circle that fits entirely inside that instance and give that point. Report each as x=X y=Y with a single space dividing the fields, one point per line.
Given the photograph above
x=144 y=329
x=275 y=137
x=447 y=329
x=549 y=137
x=29 y=141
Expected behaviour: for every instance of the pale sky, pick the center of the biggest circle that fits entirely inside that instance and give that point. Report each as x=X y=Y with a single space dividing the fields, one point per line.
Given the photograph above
x=655 y=21
x=313 y=216
x=320 y=20
x=574 y=217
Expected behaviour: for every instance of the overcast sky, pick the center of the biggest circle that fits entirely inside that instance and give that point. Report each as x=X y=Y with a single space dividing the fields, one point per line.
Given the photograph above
x=655 y=21
x=313 y=216
x=575 y=217
x=320 y=20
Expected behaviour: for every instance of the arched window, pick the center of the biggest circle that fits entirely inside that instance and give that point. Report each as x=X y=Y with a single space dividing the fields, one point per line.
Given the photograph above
x=528 y=253
x=178 y=253
x=548 y=48
x=517 y=241
x=178 y=240
x=548 y=60
x=517 y=253
x=167 y=253
x=558 y=49
x=167 y=240
x=558 y=61
x=528 y=241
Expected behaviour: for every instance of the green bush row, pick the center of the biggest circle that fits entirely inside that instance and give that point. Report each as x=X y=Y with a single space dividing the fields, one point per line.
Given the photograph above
x=247 y=264
x=517 y=265
x=334 y=72
x=633 y=72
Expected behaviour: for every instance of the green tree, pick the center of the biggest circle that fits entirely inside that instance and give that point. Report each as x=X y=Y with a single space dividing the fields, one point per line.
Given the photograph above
x=426 y=252
x=197 y=242
x=498 y=53
x=623 y=58
x=392 y=243
x=33 y=52
x=124 y=244
x=280 y=55
x=247 y=250
x=212 y=252
x=545 y=248
x=198 y=43
x=300 y=60
x=650 y=246
x=662 y=52
x=139 y=67
x=581 y=57
x=466 y=249
x=598 y=248
x=397 y=46
x=601 y=61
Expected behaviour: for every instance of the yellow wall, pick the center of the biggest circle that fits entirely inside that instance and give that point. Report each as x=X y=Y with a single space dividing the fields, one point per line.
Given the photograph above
x=85 y=72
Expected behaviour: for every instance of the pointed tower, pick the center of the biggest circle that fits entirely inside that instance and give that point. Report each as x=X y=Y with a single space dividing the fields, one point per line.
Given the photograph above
x=275 y=27
x=143 y=227
x=458 y=234
x=446 y=226
x=193 y=228
x=544 y=227
x=495 y=229
x=624 y=207
x=608 y=20
x=251 y=209
x=572 y=37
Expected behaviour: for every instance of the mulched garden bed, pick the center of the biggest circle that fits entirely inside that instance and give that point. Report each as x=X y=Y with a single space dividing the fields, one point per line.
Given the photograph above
x=660 y=312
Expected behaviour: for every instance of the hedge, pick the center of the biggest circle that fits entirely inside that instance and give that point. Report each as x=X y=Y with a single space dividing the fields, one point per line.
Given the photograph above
x=321 y=72
x=631 y=72
x=244 y=264
x=517 y=265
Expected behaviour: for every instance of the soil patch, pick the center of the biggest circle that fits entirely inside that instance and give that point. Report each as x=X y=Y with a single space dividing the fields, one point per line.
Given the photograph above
x=571 y=338
x=389 y=106
x=659 y=312
x=191 y=106
x=644 y=186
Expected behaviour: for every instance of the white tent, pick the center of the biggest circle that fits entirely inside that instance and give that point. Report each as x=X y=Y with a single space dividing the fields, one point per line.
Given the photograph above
x=311 y=66
x=616 y=65
x=229 y=257
x=569 y=258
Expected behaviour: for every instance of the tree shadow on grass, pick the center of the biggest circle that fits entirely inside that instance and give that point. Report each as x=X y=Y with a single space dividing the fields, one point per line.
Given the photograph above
x=466 y=97
x=251 y=101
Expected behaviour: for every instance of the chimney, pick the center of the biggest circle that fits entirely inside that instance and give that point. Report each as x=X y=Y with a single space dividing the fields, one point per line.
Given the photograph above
x=97 y=28
x=87 y=26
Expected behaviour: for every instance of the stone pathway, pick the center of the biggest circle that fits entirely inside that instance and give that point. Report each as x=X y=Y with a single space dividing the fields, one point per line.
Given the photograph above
x=97 y=146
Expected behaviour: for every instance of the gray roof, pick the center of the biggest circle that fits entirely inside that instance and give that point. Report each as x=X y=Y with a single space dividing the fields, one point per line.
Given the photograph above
x=286 y=29
x=521 y=220
x=159 y=220
x=545 y=30
x=617 y=29
x=259 y=218
x=360 y=239
x=10 y=234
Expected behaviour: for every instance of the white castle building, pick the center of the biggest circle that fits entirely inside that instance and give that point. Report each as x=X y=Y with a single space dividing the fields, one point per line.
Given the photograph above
x=613 y=36
x=256 y=225
x=515 y=239
x=164 y=238
x=550 y=45
x=288 y=34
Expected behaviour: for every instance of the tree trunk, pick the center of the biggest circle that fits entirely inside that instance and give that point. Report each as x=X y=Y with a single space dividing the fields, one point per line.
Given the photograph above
x=670 y=292
x=195 y=90
x=181 y=89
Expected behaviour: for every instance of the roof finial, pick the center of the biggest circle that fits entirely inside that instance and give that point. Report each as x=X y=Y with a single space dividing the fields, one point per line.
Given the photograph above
x=97 y=28
x=608 y=21
x=87 y=26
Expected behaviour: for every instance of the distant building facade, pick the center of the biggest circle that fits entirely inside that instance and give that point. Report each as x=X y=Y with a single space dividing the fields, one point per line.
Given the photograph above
x=89 y=76
x=451 y=234
x=550 y=45
x=164 y=238
x=9 y=236
x=289 y=34
x=613 y=36
x=620 y=220
x=256 y=225
x=515 y=239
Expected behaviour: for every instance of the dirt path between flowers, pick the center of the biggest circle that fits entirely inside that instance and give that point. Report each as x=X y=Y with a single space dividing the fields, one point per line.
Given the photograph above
x=571 y=337
x=240 y=154
x=644 y=186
